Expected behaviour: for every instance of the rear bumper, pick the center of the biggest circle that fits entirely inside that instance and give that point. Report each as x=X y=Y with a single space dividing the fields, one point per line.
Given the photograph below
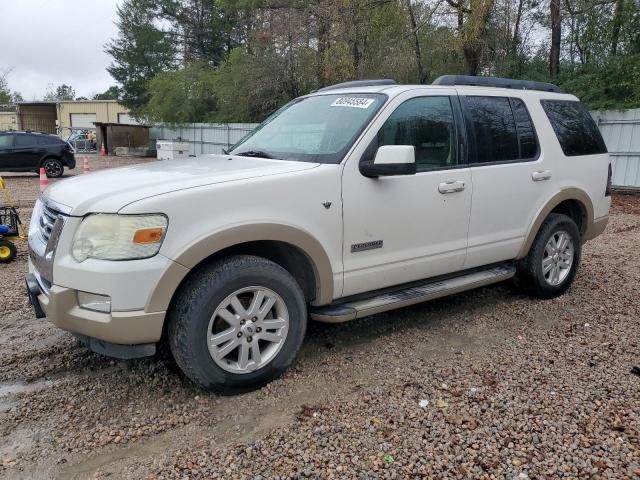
x=596 y=228
x=135 y=329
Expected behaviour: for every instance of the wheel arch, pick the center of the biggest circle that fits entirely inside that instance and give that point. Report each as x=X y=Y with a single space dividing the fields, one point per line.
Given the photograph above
x=295 y=250
x=573 y=202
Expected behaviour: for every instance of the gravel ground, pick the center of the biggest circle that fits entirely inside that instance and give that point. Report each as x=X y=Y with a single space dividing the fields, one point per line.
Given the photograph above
x=485 y=384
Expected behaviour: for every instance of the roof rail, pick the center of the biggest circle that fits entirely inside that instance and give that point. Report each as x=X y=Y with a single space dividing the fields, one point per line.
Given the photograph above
x=359 y=83
x=496 y=82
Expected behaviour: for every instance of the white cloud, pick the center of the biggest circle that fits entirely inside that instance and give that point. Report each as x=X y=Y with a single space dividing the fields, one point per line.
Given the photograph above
x=56 y=41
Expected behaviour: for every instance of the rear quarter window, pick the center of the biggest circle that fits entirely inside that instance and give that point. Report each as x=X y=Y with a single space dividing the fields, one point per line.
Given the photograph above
x=574 y=127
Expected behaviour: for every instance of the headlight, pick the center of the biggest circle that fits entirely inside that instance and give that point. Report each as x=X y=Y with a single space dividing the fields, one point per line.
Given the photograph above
x=35 y=218
x=119 y=237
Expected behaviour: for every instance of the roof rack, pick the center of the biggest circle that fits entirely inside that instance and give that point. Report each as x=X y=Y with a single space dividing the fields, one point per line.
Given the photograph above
x=359 y=83
x=496 y=82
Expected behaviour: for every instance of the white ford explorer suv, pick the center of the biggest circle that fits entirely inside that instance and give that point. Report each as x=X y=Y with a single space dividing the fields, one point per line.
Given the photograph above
x=359 y=198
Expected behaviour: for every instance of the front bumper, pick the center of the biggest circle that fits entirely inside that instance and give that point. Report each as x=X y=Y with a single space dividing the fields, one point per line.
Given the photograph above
x=60 y=306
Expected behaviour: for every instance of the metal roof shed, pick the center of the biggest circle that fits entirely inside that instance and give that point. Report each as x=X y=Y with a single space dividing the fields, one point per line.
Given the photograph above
x=128 y=139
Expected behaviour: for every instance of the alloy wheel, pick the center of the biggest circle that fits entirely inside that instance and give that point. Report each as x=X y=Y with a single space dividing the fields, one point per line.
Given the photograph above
x=247 y=329
x=557 y=259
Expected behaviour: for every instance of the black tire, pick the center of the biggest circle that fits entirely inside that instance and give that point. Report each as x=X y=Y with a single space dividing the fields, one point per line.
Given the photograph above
x=198 y=299
x=8 y=251
x=530 y=270
x=53 y=167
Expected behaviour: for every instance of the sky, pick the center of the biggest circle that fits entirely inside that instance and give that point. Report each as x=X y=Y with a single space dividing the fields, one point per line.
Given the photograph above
x=45 y=43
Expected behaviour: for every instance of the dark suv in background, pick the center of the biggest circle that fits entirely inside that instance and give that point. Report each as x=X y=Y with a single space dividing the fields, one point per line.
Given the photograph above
x=28 y=151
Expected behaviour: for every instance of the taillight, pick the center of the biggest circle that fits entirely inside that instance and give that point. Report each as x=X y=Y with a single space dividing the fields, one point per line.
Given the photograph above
x=607 y=192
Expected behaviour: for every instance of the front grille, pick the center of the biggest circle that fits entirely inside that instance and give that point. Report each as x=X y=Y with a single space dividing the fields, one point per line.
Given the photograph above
x=48 y=217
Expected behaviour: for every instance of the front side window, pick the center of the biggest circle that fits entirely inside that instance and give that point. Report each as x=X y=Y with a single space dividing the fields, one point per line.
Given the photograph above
x=319 y=128
x=428 y=124
x=6 y=141
x=577 y=133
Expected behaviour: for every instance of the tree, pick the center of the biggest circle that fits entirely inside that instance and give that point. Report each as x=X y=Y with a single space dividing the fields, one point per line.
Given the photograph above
x=183 y=96
x=5 y=93
x=140 y=52
x=472 y=19
x=60 y=93
x=111 y=93
x=7 y=97
x=238 y=60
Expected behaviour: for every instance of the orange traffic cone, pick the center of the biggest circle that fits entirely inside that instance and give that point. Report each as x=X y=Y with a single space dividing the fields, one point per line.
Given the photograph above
x=44 y=181
x=103 y=152
x=85 y=168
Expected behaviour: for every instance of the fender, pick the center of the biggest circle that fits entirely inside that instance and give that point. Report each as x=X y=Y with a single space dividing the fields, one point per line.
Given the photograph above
x=563 y=195
x=204 y=247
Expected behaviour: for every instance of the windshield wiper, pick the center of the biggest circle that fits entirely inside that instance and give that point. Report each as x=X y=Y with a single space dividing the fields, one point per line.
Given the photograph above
x=254 y=153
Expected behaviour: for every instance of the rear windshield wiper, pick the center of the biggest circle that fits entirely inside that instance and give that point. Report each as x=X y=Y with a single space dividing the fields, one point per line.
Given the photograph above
x=254 y=153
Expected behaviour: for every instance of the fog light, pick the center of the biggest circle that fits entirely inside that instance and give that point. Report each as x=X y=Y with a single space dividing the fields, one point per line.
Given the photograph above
x=93 y=301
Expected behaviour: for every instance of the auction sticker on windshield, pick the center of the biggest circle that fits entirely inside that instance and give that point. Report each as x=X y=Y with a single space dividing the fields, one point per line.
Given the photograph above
x=353 y=102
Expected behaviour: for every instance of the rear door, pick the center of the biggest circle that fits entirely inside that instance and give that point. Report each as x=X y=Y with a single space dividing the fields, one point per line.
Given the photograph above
x=511 y=175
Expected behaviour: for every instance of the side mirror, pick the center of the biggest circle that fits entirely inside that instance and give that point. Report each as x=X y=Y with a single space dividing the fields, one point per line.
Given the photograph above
x=391 y=160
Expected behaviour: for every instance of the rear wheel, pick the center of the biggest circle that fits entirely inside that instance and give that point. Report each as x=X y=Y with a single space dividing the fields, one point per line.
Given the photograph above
x=237 y=324
x=8 y=251
x=53 y=167
x=552 y=263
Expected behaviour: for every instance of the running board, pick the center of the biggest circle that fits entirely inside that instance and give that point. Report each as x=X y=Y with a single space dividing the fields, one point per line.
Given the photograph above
x=350 y=310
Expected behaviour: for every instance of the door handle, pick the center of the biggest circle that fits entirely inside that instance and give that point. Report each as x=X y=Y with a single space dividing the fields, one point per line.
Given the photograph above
x=451 y=187
x=541 y=175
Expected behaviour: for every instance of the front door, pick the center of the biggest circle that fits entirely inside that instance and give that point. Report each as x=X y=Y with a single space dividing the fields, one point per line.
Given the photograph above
x=26 y=151
x=398 y=229
x=6 y=150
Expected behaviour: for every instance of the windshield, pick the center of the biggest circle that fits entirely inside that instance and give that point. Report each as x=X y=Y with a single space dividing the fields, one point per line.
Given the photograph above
x=319 y=129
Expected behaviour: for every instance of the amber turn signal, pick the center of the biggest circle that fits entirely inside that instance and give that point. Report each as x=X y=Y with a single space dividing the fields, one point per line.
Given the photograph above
x=148 y=235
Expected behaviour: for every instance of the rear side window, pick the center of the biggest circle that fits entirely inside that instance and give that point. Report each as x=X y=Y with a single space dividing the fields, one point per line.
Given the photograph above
x=526 y=133
x=577 y=133
x=25 y=141
x=47 y=140
x=502 y=128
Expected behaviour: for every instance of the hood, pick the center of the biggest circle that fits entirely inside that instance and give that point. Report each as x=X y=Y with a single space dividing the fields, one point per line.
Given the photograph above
x=107 y=191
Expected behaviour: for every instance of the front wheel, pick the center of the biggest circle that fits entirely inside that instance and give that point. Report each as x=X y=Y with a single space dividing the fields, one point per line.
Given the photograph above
x=552 y=263
x=237 y=324
x=53 y=168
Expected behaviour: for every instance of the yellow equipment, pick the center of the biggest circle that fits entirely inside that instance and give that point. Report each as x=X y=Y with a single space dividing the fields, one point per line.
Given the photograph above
x=11 y=228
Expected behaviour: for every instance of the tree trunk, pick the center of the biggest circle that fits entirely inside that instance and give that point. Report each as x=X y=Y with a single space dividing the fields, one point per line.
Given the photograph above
x=416 y=43
x=554 y=54
x=515 y=41
x=323 y=45
x=617 y=25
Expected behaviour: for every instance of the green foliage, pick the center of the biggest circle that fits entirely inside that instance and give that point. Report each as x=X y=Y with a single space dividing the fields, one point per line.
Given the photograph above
x=5 y=93
x=183 y=96
x=60 y=93
x=140 y=52
x=614 y=85
x=111 y=93
x=239 y=60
